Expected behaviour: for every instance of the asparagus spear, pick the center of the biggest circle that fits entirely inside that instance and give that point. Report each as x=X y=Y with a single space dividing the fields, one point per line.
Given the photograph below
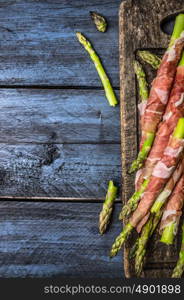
x=132 y=203
x=99 y=21
x=141 y=78
x=107 y=208
x=122 y=237
x=146 y=233
x=150 y=58
x=101 y=72
x=133 y=250
x=156 y=184
x=151 y=117
x=142 y=242
x=179 y=269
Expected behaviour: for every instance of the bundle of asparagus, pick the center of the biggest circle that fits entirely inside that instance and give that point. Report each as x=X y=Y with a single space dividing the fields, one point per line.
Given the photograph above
x=159 y=195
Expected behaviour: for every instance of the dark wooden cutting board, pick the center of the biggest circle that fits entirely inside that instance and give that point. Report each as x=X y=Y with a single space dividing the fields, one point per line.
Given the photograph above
x=140 y=28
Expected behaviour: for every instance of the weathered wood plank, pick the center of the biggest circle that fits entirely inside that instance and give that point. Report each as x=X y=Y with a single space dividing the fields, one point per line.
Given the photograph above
x=49 y=239
x=58 y=170
x=139 y=29
x=57 y=116
x=40 y=48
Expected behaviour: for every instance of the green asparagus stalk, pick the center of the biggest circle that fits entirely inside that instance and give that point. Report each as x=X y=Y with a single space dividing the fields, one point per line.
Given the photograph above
x=141 y=78
x=146 y=233
x=121 y=239
x=132 y=203
x=107 y=208
x=143 y=153
x=142 y=242
x=133 y=250
x=99 y=21
x=179 y=269
x=178 y=28
x=149 y=138
x=168 y=233
x=110 y=95
x=149 y=58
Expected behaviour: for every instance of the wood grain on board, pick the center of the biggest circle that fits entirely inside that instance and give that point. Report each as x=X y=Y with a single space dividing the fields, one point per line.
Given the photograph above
x=139 y=24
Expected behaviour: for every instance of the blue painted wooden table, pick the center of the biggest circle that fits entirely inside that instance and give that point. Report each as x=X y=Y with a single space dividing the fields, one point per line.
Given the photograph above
x=59 y=141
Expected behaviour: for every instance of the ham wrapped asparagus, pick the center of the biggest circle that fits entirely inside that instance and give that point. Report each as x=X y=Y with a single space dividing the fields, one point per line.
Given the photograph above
x=172 y=213
x=160 y=176
x=174 y=111
x=160 y=91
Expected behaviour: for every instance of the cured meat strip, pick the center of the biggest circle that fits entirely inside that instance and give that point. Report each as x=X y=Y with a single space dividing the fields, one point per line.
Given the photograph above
x=172 y=213
x=167 y=191
x=158 y=97
x=161 y=174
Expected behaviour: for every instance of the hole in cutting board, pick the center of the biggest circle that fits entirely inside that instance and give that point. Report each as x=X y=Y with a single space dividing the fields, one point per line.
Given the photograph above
x=167 y=23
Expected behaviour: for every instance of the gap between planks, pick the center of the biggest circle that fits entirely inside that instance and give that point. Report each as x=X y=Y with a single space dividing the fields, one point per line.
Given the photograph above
x=55 y=87
x=55 y=199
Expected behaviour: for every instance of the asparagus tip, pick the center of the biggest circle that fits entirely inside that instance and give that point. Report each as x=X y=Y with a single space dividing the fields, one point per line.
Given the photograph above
x=99 y=21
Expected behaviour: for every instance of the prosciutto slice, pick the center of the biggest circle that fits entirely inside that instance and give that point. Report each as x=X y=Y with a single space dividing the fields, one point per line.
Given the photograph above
x=173 y=209
x=159 y=178
x=160 y=89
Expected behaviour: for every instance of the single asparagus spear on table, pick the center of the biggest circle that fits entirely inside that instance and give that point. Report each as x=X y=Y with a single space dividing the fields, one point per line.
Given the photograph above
x=154 y=187
x=110 y=95
x=150 y=58
x=107 y=208
x=179 y=269
x=99 y=21
x=159 y=93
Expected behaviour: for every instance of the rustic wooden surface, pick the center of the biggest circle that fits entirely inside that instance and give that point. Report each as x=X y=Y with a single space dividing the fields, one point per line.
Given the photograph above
x=39 y=44
x=140 y=29
x=55 y=239
x=59 y=141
